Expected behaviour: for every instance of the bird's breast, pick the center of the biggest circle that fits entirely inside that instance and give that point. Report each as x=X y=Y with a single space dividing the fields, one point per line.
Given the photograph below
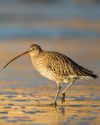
x=40 y=65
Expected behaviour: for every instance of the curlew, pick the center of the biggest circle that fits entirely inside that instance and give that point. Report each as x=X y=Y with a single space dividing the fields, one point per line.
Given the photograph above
x=57 y=67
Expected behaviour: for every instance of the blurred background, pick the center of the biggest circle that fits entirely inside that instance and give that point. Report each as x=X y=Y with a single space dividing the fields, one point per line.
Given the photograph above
x=49 y=19
x=68 y=26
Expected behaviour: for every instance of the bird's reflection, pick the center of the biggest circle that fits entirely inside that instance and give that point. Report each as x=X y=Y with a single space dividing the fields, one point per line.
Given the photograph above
x=61 y=110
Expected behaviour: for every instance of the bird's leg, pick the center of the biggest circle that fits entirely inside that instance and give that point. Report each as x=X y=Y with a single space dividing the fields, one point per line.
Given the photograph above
x=64 y=91
x=58 y=91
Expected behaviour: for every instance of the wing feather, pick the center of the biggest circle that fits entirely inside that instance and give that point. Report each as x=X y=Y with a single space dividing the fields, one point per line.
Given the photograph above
x=64 y=66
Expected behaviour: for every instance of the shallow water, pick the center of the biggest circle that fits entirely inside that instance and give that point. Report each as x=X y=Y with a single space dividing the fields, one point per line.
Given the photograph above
x=23 y=106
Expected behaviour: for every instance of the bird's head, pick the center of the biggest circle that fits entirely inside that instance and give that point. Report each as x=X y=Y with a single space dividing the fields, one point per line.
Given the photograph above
x=34 y=50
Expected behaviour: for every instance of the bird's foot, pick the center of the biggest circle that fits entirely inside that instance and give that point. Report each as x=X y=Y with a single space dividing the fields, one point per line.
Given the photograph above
x=53 y=104
x=63 y=98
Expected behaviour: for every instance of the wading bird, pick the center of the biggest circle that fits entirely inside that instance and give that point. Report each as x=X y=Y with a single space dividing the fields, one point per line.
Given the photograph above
x=57 y=67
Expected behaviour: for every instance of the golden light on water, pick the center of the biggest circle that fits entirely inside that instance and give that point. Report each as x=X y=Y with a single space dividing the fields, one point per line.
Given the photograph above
x=24 y=107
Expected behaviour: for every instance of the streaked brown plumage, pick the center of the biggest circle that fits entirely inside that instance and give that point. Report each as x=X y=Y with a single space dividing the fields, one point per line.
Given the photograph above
x=57 y=67
x=60 y=66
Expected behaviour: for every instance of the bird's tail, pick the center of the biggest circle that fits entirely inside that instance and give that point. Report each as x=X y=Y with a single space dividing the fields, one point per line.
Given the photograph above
x=93 y=76
x=87 y=73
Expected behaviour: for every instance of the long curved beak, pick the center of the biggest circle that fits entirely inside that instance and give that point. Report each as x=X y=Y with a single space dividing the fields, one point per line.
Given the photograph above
x=15 y=59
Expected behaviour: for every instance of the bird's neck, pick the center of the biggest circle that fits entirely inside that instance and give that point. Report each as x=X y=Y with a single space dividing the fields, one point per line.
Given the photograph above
x=35 y=54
